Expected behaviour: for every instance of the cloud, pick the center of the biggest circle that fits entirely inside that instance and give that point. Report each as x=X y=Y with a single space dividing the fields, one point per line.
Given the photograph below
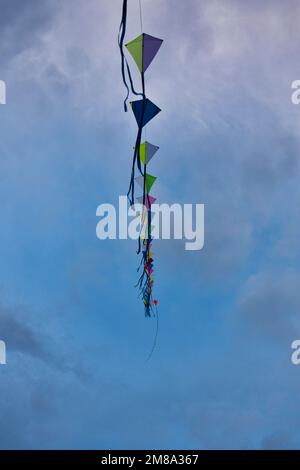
x=19 y=336
x=279 y=441
x=229 y=138
x=270 y=303
x=22 y=334
x=22 y=26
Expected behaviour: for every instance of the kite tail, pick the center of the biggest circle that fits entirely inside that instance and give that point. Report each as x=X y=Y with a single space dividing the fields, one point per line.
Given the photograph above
x=156 y=332
x=147 y=279
x=131 y=80
x=136 y=161
x=121 y=37
x=122 y=32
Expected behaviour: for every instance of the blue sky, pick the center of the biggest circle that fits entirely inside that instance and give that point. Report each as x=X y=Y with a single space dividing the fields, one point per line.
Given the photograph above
x=76 y=337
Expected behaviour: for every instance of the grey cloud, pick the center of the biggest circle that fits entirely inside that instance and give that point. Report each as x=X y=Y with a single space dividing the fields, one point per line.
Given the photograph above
x=25 y=338
x=19 y=336
x=21 y=23
x=279 y=441
x=221 y=110
x=271 y=303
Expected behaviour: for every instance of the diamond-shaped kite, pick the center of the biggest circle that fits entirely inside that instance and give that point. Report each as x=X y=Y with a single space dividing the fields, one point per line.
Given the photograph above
x=150 y=180
x=144 y=111
x=147 y=152
x=143 y=50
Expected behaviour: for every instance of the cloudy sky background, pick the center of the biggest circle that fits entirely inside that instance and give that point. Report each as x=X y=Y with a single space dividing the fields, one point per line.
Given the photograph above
x=77 y=341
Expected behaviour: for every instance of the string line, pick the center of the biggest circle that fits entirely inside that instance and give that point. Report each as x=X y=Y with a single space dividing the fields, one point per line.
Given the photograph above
x=141 y=15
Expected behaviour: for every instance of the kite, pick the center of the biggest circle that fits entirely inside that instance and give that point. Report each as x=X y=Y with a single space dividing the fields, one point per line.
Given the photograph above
x=142 y=50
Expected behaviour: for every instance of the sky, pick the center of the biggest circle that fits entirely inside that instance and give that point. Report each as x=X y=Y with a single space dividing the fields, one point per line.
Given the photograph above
x=77 y=340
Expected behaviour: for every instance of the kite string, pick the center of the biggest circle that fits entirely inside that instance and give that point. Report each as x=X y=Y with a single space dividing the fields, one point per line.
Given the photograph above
x=156 y=334
x=141 y=23
x=141 y=15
